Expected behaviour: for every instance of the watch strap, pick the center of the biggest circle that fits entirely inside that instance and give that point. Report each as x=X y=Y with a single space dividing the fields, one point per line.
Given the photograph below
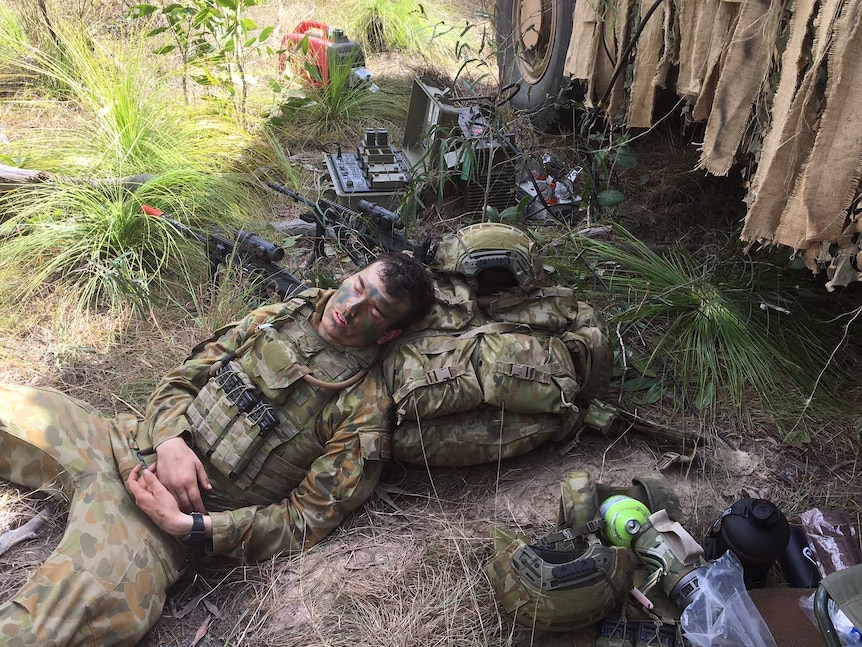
x=197 y=533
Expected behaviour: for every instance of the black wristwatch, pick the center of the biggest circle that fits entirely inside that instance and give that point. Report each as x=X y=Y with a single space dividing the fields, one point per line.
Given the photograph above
x=197 y=533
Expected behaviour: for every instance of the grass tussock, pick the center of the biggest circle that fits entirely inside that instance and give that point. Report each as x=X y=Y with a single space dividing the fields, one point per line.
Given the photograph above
x=335 y=111
x=428 y=30
x=86 y=226
x=98 y=239
x=122 y=115
x=719 y=327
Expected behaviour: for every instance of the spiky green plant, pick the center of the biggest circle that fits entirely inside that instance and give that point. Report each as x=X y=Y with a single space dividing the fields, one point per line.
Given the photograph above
x=338 y=107
x=724 y=327
x=125 y=117
x=98 y=238
x=121 y=118
x=11 y=25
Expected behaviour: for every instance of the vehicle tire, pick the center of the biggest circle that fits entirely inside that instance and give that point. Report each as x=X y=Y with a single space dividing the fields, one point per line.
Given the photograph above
x=531 y=53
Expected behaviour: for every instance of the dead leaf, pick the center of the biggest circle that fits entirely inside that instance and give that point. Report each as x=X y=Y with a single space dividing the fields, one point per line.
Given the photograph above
x=213 y=609
x=202 y=631
x=187 y=608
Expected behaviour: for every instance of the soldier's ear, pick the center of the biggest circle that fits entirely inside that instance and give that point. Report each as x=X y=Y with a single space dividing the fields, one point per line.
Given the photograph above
x=389 y=335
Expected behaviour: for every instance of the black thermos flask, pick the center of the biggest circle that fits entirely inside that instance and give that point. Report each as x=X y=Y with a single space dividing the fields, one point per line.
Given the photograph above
x=798 y=561
x=756 y=531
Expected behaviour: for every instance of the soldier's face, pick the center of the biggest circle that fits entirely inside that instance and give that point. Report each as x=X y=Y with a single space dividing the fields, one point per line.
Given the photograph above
x=360 y=313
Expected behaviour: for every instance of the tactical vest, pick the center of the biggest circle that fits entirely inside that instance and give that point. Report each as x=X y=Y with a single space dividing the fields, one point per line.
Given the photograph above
x=491 y=378
x=255 y=420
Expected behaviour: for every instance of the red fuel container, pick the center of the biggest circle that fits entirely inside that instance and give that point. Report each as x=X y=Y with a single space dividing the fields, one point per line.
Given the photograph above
x=325 y=44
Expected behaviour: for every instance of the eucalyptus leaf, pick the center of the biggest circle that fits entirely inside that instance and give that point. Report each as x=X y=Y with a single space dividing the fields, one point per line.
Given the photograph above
x=655 y=393
x=141 y=10
x=625 y=158
x=610 y=198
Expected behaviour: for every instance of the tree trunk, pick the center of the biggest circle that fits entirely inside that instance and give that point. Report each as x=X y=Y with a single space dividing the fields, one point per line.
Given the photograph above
x=13 y=178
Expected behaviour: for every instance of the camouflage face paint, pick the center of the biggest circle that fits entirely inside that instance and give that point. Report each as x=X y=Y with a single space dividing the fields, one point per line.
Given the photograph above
x=360 y=313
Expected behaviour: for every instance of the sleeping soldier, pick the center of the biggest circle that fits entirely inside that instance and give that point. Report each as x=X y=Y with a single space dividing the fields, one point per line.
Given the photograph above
x=268 y=435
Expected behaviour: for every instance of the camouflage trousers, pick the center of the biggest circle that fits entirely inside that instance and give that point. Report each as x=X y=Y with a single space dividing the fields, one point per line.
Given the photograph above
x=105 y=583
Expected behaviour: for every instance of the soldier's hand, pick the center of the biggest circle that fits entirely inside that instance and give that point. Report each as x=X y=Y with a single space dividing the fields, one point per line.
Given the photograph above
x=155 y=501
x=182 y=473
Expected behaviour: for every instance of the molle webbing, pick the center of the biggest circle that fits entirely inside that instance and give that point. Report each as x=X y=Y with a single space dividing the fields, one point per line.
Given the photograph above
x=254 y=421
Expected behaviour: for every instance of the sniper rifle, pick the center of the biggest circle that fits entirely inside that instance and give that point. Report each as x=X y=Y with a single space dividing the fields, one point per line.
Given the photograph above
x=255 y=257
x=358 y=233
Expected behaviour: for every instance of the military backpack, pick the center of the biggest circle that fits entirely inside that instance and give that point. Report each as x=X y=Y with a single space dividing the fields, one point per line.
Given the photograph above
x=501 y=365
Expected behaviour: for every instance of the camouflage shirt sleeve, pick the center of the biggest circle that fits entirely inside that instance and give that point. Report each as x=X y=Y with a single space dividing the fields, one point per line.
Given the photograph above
x=164 y=417
x=357 y=425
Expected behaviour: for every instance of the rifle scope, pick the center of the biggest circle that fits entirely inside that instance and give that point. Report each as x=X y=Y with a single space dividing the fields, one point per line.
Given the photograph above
x=390 y=218
x=253 y=244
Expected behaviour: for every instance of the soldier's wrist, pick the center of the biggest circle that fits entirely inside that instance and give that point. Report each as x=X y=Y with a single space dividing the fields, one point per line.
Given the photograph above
x=196 y=530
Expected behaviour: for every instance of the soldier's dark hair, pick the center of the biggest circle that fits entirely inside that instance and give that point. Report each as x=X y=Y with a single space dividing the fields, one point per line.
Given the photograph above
x=406 y=278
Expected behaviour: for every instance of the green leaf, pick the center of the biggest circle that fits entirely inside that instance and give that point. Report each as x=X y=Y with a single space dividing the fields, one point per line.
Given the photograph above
x=265 y=33
x=166 y=49
x=798 y=262
x=247 y=24
x=140 y=10
x=639 y=384
x=610 y=198
x=227 y=4
x=654 y=393
x=625 y=158
x=510 y=214
x=706 y=395
x=156 y=31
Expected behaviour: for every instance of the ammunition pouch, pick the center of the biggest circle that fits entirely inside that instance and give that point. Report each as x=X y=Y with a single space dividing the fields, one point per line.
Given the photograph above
x=233 y=422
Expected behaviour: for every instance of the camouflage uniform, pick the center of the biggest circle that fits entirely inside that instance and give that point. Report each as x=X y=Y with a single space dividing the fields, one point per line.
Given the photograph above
x=105 y=584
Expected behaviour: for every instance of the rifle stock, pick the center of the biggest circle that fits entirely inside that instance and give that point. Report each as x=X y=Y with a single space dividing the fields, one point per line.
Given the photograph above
x=255 y=257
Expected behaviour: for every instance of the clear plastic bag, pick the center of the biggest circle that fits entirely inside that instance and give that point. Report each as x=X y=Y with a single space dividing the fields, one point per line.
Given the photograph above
x=722 y=613
x=848 y=635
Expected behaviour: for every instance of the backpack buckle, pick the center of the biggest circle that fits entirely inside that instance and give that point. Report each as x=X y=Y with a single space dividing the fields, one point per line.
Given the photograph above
x=439 y=375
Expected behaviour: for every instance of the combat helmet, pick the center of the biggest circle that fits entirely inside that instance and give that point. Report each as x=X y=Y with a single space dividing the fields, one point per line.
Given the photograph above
x=491 y=256
x=570 y=578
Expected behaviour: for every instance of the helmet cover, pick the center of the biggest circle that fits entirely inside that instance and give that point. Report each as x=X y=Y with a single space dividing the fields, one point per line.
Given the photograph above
x=558 y=590
x=492 y=256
